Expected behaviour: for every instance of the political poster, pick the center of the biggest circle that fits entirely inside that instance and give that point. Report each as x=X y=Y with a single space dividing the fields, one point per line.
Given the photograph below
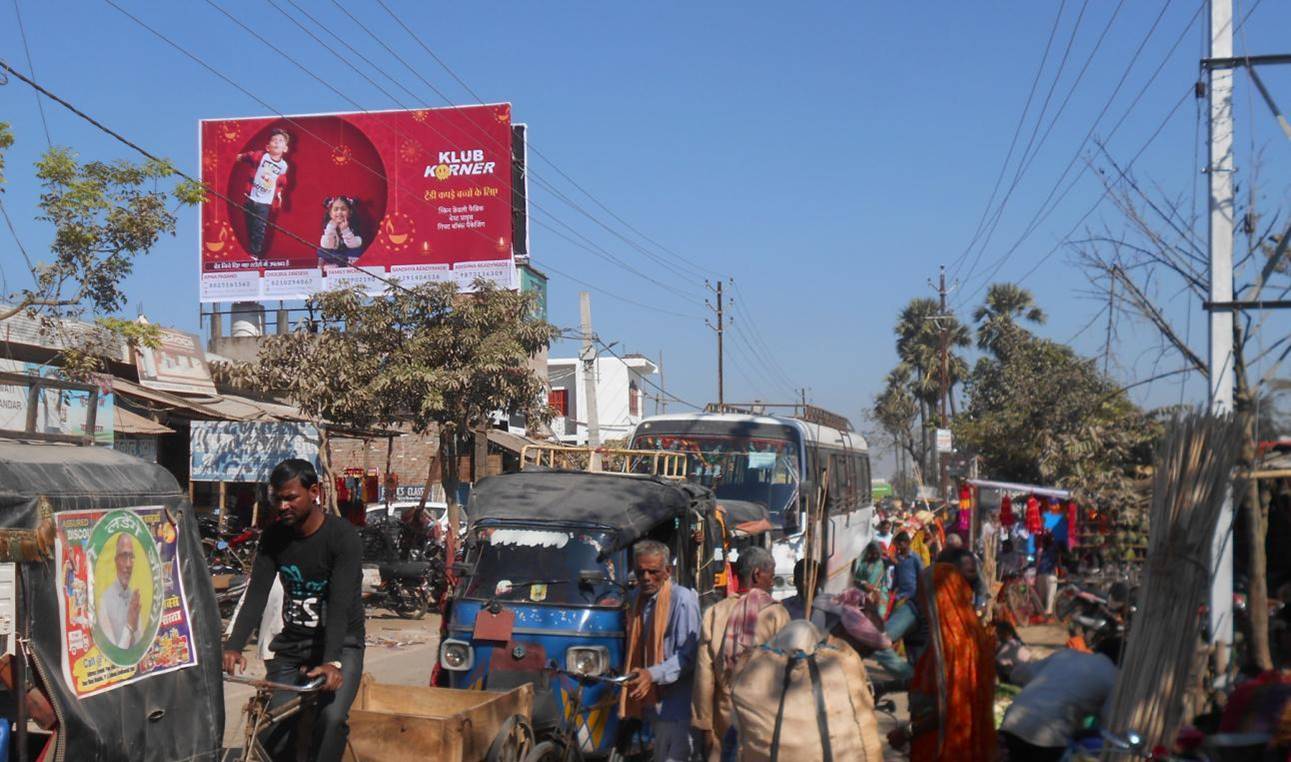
x=308 y=203
x=247 y=451
x=121 y=603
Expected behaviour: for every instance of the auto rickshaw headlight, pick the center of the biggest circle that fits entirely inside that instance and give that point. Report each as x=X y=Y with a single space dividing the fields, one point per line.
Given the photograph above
x=588 y=660
x=456 y=655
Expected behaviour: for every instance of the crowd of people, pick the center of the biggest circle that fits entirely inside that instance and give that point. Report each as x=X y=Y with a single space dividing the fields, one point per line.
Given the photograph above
x=916 y=607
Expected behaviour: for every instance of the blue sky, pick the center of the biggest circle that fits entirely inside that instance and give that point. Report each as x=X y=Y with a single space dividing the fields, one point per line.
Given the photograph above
x=827 y=156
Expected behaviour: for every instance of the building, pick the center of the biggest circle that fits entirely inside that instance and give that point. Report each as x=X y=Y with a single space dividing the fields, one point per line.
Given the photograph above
x=621 y=386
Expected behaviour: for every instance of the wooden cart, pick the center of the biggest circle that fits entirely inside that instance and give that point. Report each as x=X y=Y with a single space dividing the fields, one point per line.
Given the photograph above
x=400 y=723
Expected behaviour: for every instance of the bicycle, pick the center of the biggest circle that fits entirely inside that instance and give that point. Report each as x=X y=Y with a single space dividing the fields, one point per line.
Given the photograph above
x=260 y=716
x=565 y=745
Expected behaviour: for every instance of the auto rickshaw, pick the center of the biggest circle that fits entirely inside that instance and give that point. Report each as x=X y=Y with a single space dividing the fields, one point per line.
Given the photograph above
x=545 y=583
x=77 y=522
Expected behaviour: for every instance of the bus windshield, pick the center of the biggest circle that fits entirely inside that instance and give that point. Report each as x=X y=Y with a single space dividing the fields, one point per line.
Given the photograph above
x=758 y=470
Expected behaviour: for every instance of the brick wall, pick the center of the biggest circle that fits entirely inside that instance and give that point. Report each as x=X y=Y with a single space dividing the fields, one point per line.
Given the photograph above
x=410 y=458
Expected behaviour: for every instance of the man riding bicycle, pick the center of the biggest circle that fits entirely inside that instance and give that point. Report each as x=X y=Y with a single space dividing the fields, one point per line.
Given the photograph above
x=317 y=557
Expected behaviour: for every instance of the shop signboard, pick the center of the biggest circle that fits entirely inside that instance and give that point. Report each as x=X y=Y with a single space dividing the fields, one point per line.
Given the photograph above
x=122 y=610
x=318 y=202
x=247 y=451
x=176 y=364
x=58 y=411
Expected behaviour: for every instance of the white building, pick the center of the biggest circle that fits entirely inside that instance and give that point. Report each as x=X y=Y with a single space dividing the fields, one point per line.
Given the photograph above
x=621 y=395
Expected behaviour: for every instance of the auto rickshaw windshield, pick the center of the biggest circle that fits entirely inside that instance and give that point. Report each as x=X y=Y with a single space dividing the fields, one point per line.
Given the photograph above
x=543 y=565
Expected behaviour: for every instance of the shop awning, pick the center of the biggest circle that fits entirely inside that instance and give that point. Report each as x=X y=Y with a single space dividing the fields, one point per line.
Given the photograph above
x=1036 y=489
x=126 y=422
x=174 y=402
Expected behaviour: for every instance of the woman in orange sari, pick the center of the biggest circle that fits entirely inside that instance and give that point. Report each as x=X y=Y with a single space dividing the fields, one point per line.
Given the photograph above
x=952 y=694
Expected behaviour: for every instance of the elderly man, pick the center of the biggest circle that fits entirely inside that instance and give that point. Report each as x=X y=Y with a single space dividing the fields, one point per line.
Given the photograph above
x=119 y=606
x=663 y=635
x=730 y=630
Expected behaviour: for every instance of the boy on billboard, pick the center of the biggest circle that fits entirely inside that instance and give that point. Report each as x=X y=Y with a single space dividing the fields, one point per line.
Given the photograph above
x=267 y=187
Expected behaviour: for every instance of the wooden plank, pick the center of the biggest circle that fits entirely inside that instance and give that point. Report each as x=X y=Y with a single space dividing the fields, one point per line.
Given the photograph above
x=476 y=715
x=382 y=737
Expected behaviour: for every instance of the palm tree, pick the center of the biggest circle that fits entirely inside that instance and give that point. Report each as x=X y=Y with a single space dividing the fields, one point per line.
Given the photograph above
x=920 y=330
x=997 y=318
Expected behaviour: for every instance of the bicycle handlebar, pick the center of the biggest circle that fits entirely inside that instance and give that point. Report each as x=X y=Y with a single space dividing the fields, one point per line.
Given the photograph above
x=309 y=687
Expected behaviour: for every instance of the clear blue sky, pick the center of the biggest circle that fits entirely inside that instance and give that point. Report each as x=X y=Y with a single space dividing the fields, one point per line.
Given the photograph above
x=828 y=156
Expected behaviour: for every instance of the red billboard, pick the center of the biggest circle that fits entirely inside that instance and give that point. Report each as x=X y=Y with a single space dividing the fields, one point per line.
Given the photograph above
x=303 y=204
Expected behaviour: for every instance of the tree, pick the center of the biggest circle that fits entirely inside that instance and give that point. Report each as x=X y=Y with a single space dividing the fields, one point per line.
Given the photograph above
x=426 y=357
x=1158 y=247
x=920 y=330
x=1042 y=414
x=104 y=215
x=997 y=318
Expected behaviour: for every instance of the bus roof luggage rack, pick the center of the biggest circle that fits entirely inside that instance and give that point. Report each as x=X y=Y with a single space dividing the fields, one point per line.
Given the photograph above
x=799 y=410
x=669 y=465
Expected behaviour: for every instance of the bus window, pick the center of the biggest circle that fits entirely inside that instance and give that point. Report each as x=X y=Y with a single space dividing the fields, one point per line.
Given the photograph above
x=863 y=483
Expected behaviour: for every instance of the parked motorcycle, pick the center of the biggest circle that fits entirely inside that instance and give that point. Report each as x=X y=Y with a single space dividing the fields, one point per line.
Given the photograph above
x=406 y=580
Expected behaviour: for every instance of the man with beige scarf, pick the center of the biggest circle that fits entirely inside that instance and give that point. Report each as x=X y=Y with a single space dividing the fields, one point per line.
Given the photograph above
x=731 y=629
x=663 y=634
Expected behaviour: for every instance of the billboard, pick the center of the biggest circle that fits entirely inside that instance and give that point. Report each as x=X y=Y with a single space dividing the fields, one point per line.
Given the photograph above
x=58 y=411
x=177 y=364
x=311 y=203
x=246 y=451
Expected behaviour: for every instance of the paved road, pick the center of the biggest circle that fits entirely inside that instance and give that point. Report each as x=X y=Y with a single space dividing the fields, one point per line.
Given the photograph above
x=399 y=652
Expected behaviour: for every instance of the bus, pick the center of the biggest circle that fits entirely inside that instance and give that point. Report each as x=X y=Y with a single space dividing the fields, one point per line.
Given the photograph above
x=786 y=460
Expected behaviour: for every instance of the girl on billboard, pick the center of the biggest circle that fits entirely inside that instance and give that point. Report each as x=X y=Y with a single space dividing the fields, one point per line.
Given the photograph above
x=340 y=243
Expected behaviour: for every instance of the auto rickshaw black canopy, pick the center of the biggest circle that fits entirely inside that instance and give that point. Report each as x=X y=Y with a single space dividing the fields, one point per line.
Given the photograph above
x=177 y=715
x=629 y=505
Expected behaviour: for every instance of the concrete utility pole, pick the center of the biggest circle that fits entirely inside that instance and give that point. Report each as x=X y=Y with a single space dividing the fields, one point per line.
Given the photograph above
x=1220 y=362
x=588 y=358
x=943 y=353
x=720 y=328
x=661 y=400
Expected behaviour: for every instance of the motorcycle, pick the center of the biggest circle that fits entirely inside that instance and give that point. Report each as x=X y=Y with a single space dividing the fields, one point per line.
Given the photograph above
x=395 y=579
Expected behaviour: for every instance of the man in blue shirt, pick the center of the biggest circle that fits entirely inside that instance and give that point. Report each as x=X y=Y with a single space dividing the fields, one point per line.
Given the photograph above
x=663 y=637
x=905 y=575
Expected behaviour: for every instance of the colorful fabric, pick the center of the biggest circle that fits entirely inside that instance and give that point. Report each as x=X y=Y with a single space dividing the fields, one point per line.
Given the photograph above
x=1073 y=517
x=1006 y=512
x=646 y=648
x=1035 y=524
x=956 y=674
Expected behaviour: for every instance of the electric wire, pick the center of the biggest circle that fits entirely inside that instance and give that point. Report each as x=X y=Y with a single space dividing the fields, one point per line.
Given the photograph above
x=192 y=56
x=679 y=259
x=1013 y=142
x=26 y=48
x=595 y=249
x=1129 y=67
x=1022 y=162
x=538 y=179
x=610 y=349
x=1047 y=208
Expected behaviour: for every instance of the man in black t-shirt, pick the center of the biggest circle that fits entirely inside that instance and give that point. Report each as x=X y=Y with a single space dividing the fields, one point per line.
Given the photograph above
x=317 y=557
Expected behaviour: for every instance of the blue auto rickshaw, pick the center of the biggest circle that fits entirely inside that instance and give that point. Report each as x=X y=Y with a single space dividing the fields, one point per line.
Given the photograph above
x=545 y=583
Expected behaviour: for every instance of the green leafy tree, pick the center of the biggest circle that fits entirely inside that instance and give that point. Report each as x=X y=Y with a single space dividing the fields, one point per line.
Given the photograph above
x=104 y=215
x=1042 y=414
x=428 y=358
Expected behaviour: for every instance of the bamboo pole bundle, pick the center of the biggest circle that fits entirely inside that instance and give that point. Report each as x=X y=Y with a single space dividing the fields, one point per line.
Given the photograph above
x=1193 y=469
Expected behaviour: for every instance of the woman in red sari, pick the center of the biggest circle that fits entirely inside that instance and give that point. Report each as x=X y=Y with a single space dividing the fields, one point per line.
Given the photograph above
x=952 y=694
